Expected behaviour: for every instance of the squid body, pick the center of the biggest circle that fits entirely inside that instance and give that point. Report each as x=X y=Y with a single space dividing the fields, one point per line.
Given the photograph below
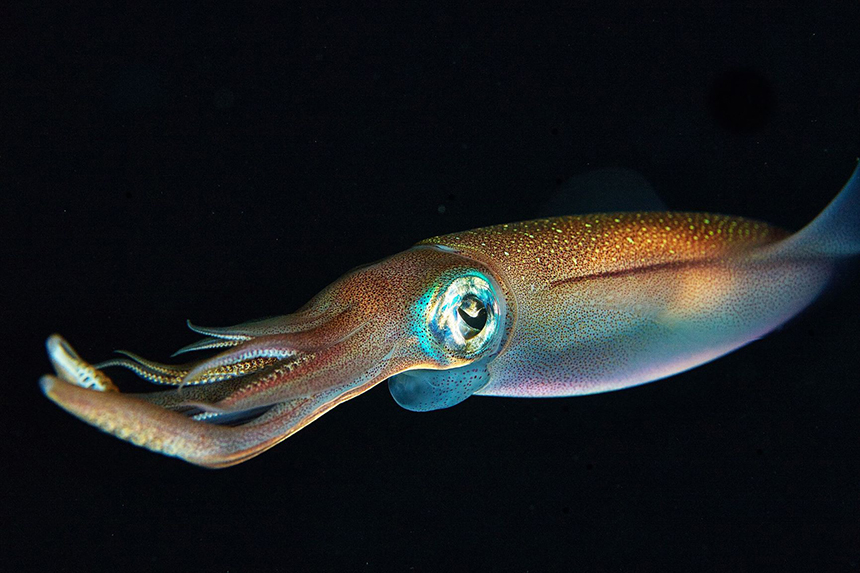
x=551 y=307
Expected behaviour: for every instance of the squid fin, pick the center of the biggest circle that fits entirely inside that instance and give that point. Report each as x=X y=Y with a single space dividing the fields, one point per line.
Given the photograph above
x=835 y=232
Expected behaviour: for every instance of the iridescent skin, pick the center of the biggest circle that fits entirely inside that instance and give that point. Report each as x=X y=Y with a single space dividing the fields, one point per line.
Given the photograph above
x=552 y=307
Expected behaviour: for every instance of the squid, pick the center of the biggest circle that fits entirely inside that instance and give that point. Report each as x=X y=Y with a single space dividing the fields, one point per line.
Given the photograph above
x=553 y=307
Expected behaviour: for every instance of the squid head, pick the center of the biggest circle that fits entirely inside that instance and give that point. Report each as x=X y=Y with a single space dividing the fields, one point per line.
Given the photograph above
x=428 y=318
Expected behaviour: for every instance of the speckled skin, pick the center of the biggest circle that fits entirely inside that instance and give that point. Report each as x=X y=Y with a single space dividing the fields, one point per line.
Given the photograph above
x=609 y=301
x=584 y=304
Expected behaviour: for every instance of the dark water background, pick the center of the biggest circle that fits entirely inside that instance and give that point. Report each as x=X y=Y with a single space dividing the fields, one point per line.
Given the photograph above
x=219 y=162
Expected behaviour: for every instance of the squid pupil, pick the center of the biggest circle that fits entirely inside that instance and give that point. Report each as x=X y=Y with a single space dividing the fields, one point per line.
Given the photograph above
x=473 y=312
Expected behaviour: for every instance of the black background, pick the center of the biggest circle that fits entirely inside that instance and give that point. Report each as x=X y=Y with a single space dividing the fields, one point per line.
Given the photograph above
x=220 y=162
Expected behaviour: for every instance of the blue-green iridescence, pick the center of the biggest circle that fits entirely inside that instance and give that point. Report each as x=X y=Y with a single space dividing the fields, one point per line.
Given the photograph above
x=449 y=328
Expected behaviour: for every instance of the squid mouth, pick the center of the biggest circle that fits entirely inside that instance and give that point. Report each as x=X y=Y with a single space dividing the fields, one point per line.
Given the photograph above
x=270 y=379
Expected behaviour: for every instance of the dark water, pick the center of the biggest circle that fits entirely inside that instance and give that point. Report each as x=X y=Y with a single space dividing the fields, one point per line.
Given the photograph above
x=222 y=163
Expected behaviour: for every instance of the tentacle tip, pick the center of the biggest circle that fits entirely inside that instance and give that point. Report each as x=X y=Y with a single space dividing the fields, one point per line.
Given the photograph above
x=69 y=366
x=57 y=346
x=46 y=383
x=63 y=357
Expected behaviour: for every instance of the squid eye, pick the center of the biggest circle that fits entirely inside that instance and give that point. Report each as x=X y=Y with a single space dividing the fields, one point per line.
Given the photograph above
x=473 y=314
x=465 y=317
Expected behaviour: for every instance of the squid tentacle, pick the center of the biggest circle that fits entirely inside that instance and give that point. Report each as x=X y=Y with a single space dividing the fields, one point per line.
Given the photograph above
x=73 y=369
x=229 y=336
x=164 y=431
x=178 y=375
x=167 y=422
x=184 y=398
x=303 y=374
x=209 y=343
x=244 y=394
x=230 y=418
x=149 y=370
x=154 y=366
x=277 y=346
x=246 y=358
x=145 y=372
x=301 y=321
x=227 y=333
